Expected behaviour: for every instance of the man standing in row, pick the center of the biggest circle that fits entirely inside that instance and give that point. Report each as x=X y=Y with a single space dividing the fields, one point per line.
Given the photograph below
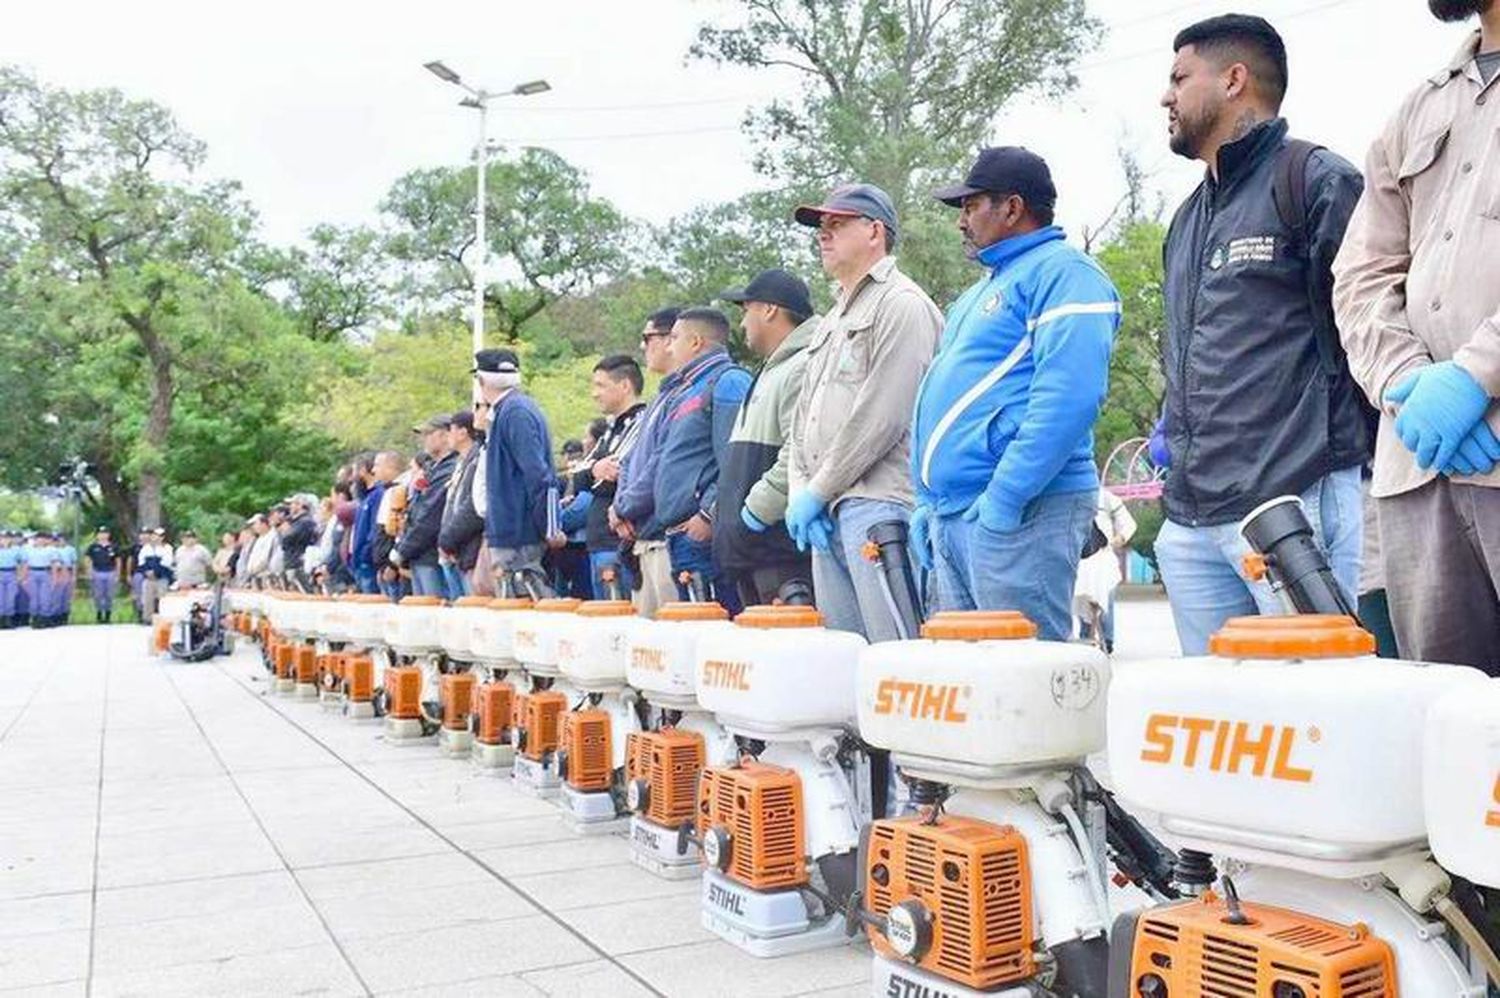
x=191 y=561
x=751 y=545
x=10 y=586
x=695 y=439
x=1418 y=298
x=1259 y=399
x=462 y=532
x=156 y=572
x=517 y=468
x=417 y=547
x=851 y=434
x=1002 y=442
x=616 y=385
x=631 y=513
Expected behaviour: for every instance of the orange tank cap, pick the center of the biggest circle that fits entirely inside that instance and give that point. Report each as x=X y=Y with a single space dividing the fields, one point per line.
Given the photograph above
x=778 y=616
x=366 y=598
x=606 y=608
x=421 y=601
x=510 y=603
x=472 y=601
x=1291 y=636
x=978 y=625
x=559 y=604
x=692 y=611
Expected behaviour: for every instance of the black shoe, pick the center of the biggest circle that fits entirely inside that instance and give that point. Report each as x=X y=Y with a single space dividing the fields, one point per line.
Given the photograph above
x=106 y=616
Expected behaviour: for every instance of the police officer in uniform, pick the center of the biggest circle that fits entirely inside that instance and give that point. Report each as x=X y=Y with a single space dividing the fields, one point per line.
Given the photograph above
x=67 y=578
x=10 y=556
x=38 y=579
x=104 y=567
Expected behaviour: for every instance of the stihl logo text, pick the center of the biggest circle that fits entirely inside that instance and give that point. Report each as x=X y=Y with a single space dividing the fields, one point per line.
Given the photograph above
x=1220 y=746
x=649 y=659
x=731 y=902
x=726 y=675
x=922 y=701
x=900 y=987
x=1492 y=819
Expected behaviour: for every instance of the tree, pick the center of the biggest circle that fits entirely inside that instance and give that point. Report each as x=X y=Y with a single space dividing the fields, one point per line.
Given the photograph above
x=893 y=90
x=548 y=236
x=339 y=286
x=1133 y=261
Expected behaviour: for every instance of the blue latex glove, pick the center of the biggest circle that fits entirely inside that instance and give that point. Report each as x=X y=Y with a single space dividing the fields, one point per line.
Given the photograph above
x=805 y=509
x=1156 y=445
x=752 y=522
x=919 y=532
x=820 y=532
x=1439 y=404
x=1477 y=453
x=993 y=515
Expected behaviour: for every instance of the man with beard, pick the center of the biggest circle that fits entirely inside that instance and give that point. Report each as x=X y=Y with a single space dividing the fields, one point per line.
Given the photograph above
x=1259 y=400
x=1418 y=297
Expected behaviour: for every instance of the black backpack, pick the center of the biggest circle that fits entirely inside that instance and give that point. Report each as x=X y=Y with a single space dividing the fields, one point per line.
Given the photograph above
x=1289 y=193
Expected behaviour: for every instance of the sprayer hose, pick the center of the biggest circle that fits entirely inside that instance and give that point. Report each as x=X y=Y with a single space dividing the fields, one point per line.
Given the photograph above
x=1470 y=934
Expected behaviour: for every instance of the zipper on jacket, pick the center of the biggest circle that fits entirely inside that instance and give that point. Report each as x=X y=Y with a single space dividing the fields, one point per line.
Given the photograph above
x=1192 y=327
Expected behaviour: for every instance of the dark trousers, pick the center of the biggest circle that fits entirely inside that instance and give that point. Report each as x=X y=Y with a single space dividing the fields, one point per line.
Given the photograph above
x=759 y=586
x=1440 y=550
x=697 y=558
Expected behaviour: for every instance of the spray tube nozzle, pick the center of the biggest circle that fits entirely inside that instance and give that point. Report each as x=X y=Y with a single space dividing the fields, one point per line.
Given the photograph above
x=886 y=548
x=1289 y=556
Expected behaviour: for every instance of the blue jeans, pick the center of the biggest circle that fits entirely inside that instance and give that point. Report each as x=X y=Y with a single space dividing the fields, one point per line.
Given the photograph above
x=1031 y=569
x=365 y=579
x=455 y=580
x=598 y=562
x=1200 y=566
x=427 y=580
x=848 y=585
x=688 y=555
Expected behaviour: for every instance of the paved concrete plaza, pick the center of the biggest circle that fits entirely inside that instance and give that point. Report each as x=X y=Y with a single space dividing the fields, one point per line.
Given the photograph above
x=168 y=829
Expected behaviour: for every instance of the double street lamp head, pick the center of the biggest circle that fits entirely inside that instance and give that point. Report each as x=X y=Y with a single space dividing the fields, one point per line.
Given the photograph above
x=443 y=72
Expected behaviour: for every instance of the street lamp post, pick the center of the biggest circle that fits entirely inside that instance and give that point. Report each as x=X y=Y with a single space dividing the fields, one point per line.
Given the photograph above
x=479 y=99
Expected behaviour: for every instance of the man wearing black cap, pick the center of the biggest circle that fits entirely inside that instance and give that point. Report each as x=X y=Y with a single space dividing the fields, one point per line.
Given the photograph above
x=1002 y=438
x=517 y=469
x=853 y=421
x=462 y=531
x=417 y=547
x=751 y=544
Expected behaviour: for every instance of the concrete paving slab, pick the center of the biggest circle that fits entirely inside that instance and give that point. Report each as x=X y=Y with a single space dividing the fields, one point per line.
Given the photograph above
x=486 y=835
x=637 y=926
x=201 y=938
x=44 y=958
x=716 y=968
x=123 y=906
x=35 y=916
x=445 y=955
x=310 y=970
x=404 y=910
x=576 y=852
x=597 y=979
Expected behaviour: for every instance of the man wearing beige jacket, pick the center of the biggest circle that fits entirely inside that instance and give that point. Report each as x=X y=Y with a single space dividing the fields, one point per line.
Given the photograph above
x=1417 y=296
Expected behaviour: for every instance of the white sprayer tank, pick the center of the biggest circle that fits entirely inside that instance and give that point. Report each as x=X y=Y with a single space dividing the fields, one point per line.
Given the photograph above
x=491 y=632
x=1461 y=782
x=411 y=626
x=593 y=652
x=663 y=652
x=456 y=626
x=367 y=613
x=778 y=671
x=535 y=636
x=1290 y=739
x=979 y=694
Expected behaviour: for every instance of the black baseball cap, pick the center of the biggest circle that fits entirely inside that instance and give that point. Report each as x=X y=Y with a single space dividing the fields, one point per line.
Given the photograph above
x=439 y=422
x=775 y=287
x=851 y=201
x=1004 y=170
x=496 y=361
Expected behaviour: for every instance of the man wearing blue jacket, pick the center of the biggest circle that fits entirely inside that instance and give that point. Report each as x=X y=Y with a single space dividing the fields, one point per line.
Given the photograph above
x=1002 y=442
x=517 y=467
x=696 y=424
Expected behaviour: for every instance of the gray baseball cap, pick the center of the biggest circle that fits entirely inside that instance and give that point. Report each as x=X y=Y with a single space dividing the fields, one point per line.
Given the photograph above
x=851 y=201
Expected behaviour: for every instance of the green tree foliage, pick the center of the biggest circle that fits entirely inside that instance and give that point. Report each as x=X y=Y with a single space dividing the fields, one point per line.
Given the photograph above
x=548 y=236
x=338 y=286
x=1133 y=261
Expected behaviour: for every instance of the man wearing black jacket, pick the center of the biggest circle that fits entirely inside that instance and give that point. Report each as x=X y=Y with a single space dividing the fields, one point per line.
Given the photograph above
x=616 y=387
x=417 y=547
x=298 y=533
x=462 y=532
x=1259 y=399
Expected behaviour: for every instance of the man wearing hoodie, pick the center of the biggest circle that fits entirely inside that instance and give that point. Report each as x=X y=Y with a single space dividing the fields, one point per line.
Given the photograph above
x=751 y=543
x=1002 y=441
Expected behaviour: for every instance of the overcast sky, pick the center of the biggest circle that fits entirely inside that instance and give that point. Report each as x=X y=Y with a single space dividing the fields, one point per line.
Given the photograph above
x=317 y=106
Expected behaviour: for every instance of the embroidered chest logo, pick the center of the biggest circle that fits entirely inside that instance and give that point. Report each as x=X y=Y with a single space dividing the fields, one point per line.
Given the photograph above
x=990 y=304
x=1251 y=249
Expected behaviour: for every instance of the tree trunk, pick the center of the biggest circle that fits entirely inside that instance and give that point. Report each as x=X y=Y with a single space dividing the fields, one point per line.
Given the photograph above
x=117 y=499
x=158 y=426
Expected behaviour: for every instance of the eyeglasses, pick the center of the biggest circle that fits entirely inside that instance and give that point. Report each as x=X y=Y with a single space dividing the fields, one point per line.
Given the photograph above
x=646 y=338
x=829 y=225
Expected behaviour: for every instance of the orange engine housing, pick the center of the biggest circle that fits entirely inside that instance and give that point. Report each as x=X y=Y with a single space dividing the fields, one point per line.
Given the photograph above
x=457 y=690
x=331 y=670
x=403 y=690
x=281 y=657
x=760 y=807
x=664 y=767
x=973 y=879
x=541 y=723
x=496 y=701
x=305 y=664
x=359 y=678
x=161 y=634
x=1196 y=953
x=586 y=740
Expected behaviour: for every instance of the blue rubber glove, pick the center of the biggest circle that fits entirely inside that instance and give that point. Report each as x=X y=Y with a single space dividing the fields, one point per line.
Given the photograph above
x=1156 y=445
x=1439 y=404
x=1477 y=453
x=919 y=533
x=752 y=522
x=804 y=509
x=993 y=515
x=820 y=532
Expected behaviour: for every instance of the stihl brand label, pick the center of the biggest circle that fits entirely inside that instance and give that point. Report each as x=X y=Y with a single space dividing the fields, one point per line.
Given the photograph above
x=922 y=701
x=900 y=987
x=644 y=836
x=1492 y=819
x=726 y=675
x=649 y=659
x=1221 y=746
x=728 y=900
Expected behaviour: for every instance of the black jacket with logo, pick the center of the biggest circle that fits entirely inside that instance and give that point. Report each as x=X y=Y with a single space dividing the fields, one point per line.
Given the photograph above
x=1253 y=409
x=616 y=442
x=418 y=542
